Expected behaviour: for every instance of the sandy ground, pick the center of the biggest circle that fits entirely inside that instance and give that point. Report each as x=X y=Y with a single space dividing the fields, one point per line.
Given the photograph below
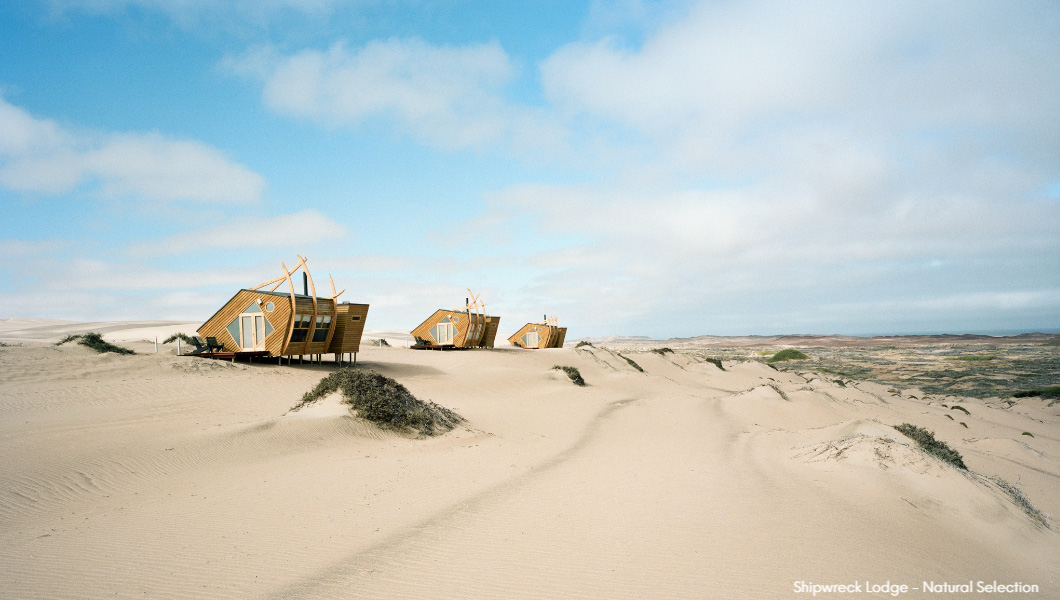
x=157 y=476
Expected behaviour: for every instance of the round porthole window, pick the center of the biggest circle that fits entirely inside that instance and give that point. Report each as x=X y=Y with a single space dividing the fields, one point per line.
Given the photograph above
x=270 y=306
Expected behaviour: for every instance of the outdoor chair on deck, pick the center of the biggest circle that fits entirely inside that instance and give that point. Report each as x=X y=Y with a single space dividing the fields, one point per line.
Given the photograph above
x=213 y=346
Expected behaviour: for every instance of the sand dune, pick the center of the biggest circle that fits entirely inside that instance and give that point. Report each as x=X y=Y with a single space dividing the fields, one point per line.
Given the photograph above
x=170 y=477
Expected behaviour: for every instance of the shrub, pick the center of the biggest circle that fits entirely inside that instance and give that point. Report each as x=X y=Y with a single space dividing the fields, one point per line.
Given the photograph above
x=383 y=343
x=716 y=362
x=662 y=351
x=96 y=342
x=385 y=402
x=1021 y=501
x=1027 y=433
x=631 y=363
x=960 y=408
x=789 y=354
x=187 y=339
x=583 y=343
x=1052 y=391
x=573 y=373
x=927 y=442
x=965 y=425
x=833 y=372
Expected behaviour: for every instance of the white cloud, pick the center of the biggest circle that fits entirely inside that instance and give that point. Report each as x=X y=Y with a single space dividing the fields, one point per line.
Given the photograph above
x=294 y=231
x=690 y=257
x=38 y=156
x=732 y=64
x=448 y=96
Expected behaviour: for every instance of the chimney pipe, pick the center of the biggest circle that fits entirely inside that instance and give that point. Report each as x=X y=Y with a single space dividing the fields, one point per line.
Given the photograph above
x=305 y=283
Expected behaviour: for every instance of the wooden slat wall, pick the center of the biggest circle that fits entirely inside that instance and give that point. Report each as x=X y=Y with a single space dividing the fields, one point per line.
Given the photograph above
x=355 y=329
x=347 y=335
x=518 y=334
x=280 y=319
x=460 y=320
x=548 y=336
x=217 y=325
x=561 y=337
x=342 y=318
x=490 y=337
x=463 y=327
x=424 y=330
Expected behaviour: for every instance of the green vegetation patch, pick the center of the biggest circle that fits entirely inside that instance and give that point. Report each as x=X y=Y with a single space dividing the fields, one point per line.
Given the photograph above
x=187 y=339
x=573 y=373
x=972 y=357
x=96 y=342
x=960 y=408
x=833 y=372
x=662 y=351
x=927 y=442
x=1027 y=433
x=1017 y=367
x=716 y=362
x=789 y=354
x=385 y=402
x=583 y=343
x=1052 y=391
x=631 y=363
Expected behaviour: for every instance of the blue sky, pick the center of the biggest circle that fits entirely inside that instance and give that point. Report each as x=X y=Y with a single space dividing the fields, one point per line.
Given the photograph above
x=636 y=168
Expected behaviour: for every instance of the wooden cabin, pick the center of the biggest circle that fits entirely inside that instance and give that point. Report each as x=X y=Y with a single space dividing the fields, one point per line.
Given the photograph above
x=267 y=322
x=543 y=334
x=467 y=327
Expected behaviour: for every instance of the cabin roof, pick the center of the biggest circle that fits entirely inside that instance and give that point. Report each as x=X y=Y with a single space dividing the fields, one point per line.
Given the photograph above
x=284 y=294
x=461 y=310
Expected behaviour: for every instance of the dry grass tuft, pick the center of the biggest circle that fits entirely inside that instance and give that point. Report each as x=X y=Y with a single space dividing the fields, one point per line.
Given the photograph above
x=385 y=402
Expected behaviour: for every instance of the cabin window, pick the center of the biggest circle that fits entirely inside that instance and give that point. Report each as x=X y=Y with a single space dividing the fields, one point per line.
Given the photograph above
x=301 y=328
x=233 y=329
x=355 y=318
x=320 y=334
x=270 y=307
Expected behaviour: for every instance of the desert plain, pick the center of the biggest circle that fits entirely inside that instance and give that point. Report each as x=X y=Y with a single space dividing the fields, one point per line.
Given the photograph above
x=698 y=471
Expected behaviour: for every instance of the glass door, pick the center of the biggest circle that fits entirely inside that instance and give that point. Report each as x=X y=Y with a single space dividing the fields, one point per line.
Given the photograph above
x=252 y=332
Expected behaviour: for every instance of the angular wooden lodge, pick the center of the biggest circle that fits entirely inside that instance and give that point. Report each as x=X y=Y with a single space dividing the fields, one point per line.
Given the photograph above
x=260 y=322
x=543 y=334
x=469 y=327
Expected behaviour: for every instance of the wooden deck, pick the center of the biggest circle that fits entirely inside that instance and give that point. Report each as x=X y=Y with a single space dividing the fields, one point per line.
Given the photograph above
x=231 y=355
x=436 y=347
